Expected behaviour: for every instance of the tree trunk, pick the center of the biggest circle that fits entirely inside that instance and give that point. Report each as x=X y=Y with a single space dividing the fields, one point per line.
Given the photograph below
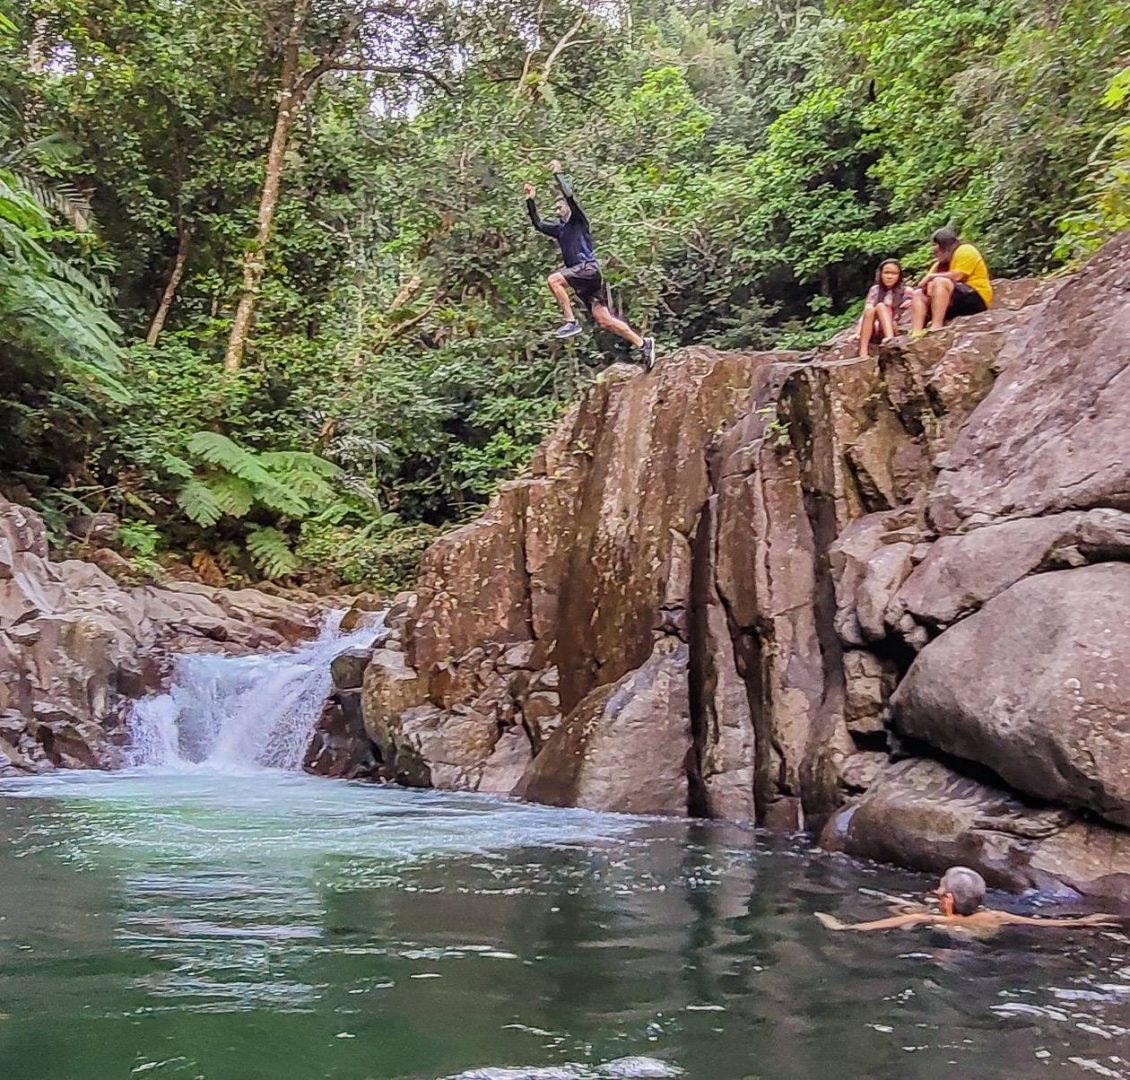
x=36 y=49
x=158 y=324
x=290 y=94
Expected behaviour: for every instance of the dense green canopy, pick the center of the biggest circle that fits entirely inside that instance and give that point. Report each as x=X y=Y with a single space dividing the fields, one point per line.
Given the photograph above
x=343 y=180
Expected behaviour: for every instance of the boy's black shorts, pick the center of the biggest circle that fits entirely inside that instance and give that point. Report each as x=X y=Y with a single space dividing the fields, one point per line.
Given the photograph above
x=586 y=281
x=965 y=300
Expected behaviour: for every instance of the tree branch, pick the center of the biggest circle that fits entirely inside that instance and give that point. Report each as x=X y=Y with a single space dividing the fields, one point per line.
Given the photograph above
x=348 y=32
x=530 y=55
x=564 y=89
x=393 y=69
x=562 y=45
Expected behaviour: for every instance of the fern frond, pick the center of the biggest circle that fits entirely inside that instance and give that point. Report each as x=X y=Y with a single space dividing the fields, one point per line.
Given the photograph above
x=358 y=448
x=334 y=514
x=233 y=495
x=355 y=485
x=283 y=500
x=292 y=461
x=64 y=199
x=177 y=466
x=270 y=552
x=307 y=486
x=199 y=504
x=219 y=450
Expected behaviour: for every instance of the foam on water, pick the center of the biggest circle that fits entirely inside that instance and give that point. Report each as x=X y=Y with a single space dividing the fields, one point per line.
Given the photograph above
x=629 y=1068
x=235 y=713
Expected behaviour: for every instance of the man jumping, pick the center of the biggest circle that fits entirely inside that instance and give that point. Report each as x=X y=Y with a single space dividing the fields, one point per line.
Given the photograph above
x=581 y=272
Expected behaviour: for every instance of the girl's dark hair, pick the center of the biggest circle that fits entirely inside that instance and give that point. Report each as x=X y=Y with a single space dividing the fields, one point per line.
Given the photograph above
x=898 y=292
x=882 y=266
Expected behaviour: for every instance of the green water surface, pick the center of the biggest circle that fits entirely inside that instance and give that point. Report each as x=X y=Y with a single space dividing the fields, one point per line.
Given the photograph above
x=277 y=927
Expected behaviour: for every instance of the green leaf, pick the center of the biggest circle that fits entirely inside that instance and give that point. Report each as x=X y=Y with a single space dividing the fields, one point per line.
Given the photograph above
x=219 y=450
x=233 y=494
x=307 y=486
x=284 y=500
x=291 y=461
x=177 y=466
x=198 y=502
x=271 y=552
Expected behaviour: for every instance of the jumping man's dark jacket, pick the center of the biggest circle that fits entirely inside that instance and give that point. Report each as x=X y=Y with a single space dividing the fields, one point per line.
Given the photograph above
x=572 y=236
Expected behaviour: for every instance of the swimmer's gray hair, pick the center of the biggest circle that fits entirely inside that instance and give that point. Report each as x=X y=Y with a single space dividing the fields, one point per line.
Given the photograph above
x=966 y=886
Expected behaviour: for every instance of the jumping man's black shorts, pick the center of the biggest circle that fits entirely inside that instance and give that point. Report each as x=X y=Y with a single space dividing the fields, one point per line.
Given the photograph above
x=586 y=281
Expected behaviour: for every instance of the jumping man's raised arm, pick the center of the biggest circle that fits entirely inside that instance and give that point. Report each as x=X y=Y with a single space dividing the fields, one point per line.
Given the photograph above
x=566 y=187
x=549 y=228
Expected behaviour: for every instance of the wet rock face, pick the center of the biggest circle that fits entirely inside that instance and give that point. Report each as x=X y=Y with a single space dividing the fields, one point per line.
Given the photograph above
x=577 y=574
x=623 y=748
x=921 y=814
x=1036 y=686
x=726 y=568
x=1051 y=434
x=340 y=747
x=75 y=645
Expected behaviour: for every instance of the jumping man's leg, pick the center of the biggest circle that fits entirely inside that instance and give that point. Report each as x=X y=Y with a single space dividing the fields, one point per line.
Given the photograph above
x=606 y=319
x=941 y=291
x=557 y=287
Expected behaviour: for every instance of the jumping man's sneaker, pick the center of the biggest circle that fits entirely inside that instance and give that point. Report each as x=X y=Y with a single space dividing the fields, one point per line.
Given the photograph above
x=570 y=329
x=647 y=353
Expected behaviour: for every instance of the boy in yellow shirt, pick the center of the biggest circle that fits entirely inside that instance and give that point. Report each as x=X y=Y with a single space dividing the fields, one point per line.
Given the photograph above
x=957 y=284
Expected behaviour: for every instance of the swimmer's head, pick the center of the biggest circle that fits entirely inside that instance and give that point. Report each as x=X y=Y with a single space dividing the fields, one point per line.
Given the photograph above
x=961 y=891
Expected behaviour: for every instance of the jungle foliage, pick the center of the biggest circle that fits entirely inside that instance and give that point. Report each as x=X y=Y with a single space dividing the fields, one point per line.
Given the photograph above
x=267 y=289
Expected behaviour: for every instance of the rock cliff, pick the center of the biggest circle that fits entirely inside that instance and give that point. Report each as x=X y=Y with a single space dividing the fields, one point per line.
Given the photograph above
x=882 y=599
x=75 y=646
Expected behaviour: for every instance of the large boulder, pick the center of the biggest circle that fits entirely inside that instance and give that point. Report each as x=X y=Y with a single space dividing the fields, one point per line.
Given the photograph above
x=924 y=815
x=390 y=687
x=625 y=746
x=961 y=572
x=1036 y=686
x=340 y=747
x=1051 y=433
x=442 y=749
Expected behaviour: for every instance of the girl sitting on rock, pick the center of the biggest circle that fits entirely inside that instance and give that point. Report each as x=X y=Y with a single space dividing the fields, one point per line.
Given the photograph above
x=889 y=296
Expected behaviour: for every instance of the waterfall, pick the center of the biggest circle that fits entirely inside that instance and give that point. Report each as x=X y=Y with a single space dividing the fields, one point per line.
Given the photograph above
x=235 y=713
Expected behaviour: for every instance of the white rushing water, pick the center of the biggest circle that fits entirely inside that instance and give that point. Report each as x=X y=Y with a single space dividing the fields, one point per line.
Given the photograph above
x=234 y=713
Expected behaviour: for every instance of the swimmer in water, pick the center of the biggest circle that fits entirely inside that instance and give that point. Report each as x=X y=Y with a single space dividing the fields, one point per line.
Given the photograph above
x=960 y=895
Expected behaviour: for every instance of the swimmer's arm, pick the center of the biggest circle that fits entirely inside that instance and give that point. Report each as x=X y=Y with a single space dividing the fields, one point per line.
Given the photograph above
x=1008 y=918
x=895 y=922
